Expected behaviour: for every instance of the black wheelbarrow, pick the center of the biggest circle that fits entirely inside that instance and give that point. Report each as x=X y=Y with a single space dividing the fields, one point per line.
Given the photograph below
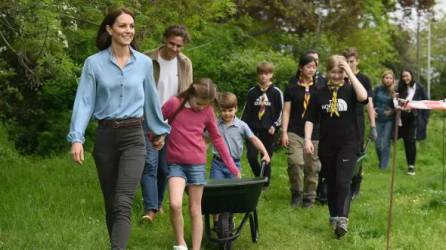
x=361 y=157
x=226 y=197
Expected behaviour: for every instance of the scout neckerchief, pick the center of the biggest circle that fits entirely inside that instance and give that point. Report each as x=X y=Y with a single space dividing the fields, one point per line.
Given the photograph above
x=262 y=100
x=334 y=87
x=307 y=96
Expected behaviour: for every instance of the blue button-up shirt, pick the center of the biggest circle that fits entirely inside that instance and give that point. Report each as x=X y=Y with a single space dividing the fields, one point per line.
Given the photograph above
x=235 y=135
x=108 y=92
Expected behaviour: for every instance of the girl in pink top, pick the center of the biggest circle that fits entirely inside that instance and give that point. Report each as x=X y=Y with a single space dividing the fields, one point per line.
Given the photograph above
x=189 y=115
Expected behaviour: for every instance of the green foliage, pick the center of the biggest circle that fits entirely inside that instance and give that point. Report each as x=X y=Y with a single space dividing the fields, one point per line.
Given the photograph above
x=43 y=45
x=239 y=73
x=438 y=59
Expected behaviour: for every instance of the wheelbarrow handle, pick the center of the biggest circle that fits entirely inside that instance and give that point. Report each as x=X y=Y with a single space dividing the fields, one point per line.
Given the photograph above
x=262 y=168
x=366 y=146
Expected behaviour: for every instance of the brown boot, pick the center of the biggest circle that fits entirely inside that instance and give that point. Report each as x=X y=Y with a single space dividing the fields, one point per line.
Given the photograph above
x=149 y=216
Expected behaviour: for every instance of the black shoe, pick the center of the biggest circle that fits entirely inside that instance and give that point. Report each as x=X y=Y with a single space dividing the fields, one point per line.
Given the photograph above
x=411 y=170
x=341 y=227
x=307 y=203
x=295 y=200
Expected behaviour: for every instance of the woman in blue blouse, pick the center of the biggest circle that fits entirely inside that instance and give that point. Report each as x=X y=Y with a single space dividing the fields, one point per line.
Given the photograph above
x=382 y=101
x=117 y=88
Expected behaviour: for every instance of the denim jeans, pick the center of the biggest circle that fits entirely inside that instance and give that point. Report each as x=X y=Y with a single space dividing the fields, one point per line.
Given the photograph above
x=153 y=181
x=384 y=129
x=220 y=171
x=149 y=178
x=163 y=172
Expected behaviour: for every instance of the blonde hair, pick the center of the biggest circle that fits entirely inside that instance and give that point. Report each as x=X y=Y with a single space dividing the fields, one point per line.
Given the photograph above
x=265 y=67
x=334 y=60
x=384 y=74
x=387 y=72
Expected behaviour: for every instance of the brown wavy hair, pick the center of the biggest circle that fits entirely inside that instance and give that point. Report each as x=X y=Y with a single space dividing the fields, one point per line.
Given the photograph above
x=103 y=39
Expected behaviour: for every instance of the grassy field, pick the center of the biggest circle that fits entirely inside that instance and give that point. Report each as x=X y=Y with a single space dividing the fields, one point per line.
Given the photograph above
x=54 y=204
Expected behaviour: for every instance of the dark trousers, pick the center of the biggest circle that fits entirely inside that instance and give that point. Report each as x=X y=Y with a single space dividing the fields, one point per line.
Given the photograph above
x=338 y=161
x=357 y=177
x=408 y=133
x=253 y=154
x=119 y=154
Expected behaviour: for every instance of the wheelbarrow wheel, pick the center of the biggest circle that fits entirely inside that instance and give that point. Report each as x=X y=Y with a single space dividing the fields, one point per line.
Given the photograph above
x=254 y=226
x=225 y=228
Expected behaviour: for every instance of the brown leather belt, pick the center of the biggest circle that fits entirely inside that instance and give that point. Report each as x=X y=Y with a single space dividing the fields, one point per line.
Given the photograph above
x=121 y=123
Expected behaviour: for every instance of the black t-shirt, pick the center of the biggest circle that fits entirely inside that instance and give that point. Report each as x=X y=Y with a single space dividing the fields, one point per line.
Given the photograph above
x=295 y=94
x=365 y=81
x=335 y=129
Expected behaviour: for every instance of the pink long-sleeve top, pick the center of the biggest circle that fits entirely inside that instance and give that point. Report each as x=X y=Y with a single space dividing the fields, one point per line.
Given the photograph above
x=186 y=144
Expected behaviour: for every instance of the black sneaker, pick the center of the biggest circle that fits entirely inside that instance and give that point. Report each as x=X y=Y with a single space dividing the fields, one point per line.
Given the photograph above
x=411 y=170
x=295 y=200
x=307 y=203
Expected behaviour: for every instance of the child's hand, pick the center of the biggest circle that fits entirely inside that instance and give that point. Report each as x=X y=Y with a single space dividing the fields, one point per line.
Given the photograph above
x=344 y=66
x=266 y=159
x=271 y=130
x=309 y=148
x=158 y=142
x=238 y=175
x=284 y=139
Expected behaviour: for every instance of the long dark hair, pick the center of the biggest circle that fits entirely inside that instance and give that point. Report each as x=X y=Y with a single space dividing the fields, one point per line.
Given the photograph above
x=103 y=39
x=304 y=60
x=402 y=86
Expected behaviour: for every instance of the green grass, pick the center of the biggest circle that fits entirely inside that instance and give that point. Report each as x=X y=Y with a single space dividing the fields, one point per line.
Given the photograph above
x=54 y=204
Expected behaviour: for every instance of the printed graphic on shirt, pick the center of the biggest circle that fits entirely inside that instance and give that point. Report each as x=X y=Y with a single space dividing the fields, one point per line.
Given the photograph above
x=262 y=101
x=341 y=106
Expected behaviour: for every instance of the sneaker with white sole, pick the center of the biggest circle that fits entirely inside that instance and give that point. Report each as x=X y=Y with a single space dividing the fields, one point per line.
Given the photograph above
x=180 y=247
x=411 y=170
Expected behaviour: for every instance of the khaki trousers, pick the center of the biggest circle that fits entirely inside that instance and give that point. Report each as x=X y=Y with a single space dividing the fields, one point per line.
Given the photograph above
x=303 y=169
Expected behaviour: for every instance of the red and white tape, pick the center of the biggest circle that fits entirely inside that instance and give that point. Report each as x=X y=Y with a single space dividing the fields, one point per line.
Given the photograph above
x=423 y=104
